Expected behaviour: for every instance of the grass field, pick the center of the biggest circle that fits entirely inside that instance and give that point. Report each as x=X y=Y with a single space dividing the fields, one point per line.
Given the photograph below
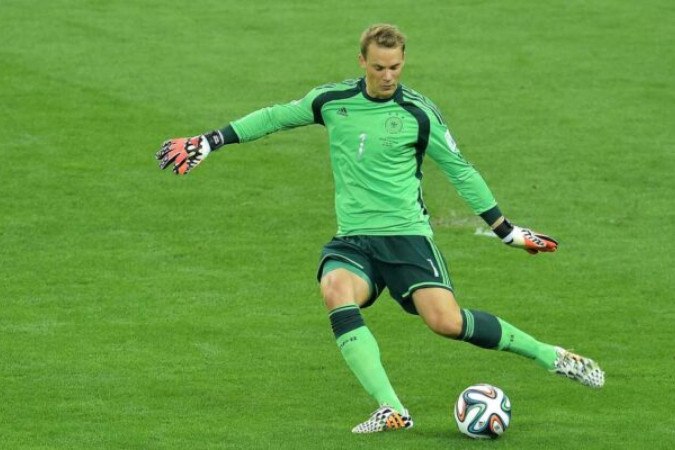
x=143 y=311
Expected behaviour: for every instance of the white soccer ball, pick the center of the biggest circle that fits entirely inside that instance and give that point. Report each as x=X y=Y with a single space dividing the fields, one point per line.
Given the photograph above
x=483 y=411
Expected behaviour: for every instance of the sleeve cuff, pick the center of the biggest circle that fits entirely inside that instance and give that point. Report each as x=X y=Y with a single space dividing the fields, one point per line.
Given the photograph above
x=229 y=135
x=491 y=215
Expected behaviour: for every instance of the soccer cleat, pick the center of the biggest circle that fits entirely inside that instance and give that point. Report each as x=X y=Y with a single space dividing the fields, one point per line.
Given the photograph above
x=584 y=370
x=385 y=418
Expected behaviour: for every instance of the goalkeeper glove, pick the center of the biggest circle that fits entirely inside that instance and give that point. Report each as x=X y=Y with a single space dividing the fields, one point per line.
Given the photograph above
x=530 y=241
x=186 y=153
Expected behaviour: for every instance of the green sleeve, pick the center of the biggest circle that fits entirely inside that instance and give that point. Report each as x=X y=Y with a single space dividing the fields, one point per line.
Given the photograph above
x=275 y=118
x=463 y=176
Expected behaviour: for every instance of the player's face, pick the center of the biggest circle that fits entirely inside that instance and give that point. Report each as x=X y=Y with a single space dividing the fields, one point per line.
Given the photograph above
x=383 y=68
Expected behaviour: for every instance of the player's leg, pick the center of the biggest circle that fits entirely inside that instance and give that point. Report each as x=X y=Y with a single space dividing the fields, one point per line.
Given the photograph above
x=422 y=286
x=346 y=285
x=440 y=311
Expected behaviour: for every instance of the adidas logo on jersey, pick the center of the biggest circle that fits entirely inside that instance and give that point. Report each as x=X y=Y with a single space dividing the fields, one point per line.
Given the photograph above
x=343 y=112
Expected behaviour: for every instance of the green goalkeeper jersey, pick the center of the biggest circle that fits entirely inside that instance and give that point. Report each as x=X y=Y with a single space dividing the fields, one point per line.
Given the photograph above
x=376 y=148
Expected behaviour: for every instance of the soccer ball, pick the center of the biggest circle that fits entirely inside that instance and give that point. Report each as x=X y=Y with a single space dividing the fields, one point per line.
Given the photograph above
x=483 y=411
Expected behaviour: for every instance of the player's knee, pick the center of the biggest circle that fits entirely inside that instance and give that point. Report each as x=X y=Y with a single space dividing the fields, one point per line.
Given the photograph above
x=440 y=311
x=446 y=324
x=336 y=290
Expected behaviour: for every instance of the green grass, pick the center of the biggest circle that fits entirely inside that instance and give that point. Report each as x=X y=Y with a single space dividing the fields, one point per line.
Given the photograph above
x=140 y=310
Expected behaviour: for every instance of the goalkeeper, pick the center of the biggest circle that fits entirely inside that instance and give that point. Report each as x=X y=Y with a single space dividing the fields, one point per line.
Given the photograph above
x=379 y=132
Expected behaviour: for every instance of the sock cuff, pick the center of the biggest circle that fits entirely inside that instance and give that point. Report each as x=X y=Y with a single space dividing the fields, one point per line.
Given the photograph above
x=507 y=336
x=467 y=325
x=480 y=328
x=342 y=308
x=345 y=319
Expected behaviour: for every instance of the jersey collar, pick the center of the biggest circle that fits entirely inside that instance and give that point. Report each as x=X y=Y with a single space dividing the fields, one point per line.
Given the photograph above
x=395 y=96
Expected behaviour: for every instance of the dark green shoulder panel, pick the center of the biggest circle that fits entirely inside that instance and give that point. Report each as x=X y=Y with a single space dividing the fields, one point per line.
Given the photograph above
x=330 y=92
x=422 y=102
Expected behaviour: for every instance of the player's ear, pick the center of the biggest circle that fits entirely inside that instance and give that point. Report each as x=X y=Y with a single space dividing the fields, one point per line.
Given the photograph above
x=362 y=61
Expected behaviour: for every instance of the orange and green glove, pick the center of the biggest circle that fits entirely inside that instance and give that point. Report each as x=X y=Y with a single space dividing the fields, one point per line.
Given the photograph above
x=530 y=241
x=186 y=153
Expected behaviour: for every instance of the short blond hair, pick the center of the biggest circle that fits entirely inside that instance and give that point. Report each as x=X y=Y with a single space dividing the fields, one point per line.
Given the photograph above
x=383 y=35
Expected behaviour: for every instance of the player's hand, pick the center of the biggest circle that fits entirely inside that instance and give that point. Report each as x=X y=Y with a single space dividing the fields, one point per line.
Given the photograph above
x=184 y=153
x=530 y=241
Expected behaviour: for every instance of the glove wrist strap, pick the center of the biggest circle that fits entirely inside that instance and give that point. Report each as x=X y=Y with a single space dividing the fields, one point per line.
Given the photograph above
x=504 y=229
x=215 y=139
x=224 y=136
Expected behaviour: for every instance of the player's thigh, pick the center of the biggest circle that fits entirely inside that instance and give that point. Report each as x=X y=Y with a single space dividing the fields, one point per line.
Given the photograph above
x=346 y=273
x=439 y=310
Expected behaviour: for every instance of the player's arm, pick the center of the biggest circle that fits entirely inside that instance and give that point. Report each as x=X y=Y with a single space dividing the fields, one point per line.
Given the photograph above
x=187 y=153
x=474 y=190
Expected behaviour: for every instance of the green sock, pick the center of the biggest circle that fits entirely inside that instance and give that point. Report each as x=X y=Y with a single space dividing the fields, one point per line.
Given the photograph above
x=362 y=354
x=488 y=331
x=516 y=341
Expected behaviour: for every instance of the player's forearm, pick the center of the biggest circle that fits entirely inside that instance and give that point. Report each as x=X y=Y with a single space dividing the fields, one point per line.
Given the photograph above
x=270 y=120
x=473 y=190
x=256 y=125
x=261 y=123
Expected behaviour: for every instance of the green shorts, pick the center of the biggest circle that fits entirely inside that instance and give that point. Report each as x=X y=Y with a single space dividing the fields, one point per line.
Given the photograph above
x=402 y=264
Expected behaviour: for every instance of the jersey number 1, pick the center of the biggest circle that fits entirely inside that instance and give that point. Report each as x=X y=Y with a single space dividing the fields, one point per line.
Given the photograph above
x=362 y=144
